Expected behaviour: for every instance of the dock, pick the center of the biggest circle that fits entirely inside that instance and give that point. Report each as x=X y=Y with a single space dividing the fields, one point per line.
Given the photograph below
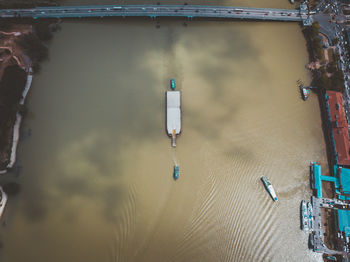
x=173 y=115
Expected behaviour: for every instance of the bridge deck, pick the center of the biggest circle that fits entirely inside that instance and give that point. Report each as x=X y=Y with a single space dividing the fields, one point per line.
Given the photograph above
x=189 y=11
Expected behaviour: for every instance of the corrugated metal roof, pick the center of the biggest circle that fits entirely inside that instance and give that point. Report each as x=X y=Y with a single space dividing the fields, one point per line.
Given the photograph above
x=344 y=221
x=344 y=178
x=339 y=127
x=317 y=179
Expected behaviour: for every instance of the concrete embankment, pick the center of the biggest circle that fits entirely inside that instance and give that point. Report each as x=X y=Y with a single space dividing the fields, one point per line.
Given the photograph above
x=16 y=127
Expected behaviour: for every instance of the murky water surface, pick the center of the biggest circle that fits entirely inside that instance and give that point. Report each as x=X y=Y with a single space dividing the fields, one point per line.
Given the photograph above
x=96 y=171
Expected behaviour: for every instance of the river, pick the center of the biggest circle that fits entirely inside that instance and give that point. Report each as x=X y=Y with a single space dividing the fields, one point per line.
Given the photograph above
x=95 y=164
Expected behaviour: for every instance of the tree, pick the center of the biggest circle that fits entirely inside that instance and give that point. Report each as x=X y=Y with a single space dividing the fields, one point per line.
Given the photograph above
x=33 y=47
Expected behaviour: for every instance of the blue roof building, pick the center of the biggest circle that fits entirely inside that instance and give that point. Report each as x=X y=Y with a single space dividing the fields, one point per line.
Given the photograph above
x=344 y=221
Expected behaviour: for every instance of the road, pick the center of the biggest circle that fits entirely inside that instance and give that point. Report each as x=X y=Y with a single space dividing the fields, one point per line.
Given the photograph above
x=319 y=245
x=189 y=11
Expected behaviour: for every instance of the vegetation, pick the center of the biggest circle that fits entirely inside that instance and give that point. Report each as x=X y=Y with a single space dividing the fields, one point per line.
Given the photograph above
x=313 y=3
x=315 y=48
x=335 y=82
x=329 y=77
x=14 y=78
x=34 y=48
x=335 y=41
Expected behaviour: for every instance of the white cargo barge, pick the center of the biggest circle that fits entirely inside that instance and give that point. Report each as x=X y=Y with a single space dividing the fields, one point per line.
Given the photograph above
x=173 y=115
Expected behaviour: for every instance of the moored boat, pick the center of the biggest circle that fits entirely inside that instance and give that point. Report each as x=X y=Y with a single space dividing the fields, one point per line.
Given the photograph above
x=311 y=241
x=305 y=92
x=304 y=216
x=176 y=172
x=3 y=201
x=309 y=211
x=269 y=187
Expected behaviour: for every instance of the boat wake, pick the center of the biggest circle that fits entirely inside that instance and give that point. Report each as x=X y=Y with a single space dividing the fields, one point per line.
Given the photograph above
x=175 y=160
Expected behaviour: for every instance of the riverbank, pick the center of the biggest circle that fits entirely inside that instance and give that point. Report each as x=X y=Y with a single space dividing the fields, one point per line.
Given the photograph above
x=325 y=73
x=328 y=76
x=22 y=49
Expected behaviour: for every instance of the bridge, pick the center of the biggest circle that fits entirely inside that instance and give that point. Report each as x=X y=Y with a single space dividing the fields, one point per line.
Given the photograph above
x=153 y=11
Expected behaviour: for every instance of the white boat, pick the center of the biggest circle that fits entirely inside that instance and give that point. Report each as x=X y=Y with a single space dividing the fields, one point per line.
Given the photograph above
x=173 y=115
x=304 y=216
x=309 y=211
x=3 y=201
x=269 y=188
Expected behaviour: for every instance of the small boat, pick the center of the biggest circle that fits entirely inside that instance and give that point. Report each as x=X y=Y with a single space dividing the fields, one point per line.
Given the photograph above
x=172 y=84
x=176 y=172
x=309 y=211
x=269 y=187
x=331 y=258
x=311 y=241
x=304 y=216
x=3 y=201
x=305 y=92
x=291 y=1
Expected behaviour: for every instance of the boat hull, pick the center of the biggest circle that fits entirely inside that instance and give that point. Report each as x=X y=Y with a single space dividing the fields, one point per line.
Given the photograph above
x=269 y=188
x=176 y=172
x=304 y=216
x=310 y=214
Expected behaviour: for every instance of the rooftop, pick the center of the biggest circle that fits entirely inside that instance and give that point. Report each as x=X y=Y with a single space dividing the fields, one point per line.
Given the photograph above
x=344 y=221
x=339 y=126
x=344 y=180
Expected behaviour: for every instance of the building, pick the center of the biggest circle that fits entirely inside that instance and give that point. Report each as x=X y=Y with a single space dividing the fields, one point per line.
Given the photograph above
x=344 y=221
x=339 y=129
x=343 y=228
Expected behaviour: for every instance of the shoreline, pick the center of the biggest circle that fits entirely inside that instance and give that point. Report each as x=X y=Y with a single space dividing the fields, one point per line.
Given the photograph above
x=17 y=125
x=22 y=44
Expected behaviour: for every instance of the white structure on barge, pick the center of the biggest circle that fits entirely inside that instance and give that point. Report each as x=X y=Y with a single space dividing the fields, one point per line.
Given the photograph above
x=173 y=115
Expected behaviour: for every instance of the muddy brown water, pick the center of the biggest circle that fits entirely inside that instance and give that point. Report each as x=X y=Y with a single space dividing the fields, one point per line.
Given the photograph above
x=95 y=164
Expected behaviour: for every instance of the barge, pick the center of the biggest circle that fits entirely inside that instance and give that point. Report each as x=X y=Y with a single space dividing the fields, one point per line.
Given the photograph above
x=173 y=115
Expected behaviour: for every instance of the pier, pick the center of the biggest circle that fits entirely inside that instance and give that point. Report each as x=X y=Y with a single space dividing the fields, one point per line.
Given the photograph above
x=153 y=11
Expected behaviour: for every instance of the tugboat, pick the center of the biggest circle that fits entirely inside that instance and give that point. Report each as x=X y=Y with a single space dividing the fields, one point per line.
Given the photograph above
x=305 y=92
x=304 y=216
x=172 y=84
x=269 y=188
x=176 y=172
x=3 y=201
x=309 y=211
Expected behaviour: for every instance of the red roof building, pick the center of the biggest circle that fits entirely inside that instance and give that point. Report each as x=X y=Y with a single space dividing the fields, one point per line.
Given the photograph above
x=340 y=127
